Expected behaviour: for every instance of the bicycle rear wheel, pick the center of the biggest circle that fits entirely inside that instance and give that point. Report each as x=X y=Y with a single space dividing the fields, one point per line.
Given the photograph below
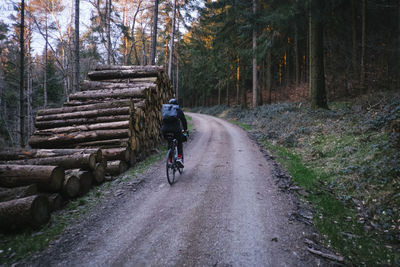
x=180 y=170
x=170 y=163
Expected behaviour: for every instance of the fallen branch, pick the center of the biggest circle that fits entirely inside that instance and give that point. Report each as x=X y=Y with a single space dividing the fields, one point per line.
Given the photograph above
x=326 y=255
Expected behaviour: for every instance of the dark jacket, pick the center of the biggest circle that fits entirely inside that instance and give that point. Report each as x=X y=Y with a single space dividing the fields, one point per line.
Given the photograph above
x=175 y=126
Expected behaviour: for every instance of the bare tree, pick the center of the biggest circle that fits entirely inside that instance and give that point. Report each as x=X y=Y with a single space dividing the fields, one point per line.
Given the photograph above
x=154 y=37
x=171 y=45
x=76 y=59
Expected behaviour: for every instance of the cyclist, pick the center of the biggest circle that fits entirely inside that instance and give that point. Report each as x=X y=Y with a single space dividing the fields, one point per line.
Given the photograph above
x=174 y=124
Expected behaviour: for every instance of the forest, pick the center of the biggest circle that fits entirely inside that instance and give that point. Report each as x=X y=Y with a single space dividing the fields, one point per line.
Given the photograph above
x=231 y=52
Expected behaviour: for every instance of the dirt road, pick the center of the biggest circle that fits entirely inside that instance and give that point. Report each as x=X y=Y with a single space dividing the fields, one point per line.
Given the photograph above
x=224 y=210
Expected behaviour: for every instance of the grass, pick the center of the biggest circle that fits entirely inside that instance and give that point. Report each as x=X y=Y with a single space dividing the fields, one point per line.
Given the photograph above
x=22 y=244
x=337 y=223
x=241 y=125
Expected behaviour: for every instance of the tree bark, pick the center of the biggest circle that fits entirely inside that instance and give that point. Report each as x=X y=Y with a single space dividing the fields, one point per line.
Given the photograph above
x=354 y=37
x=122 y=153
x=71 y=139
x=317 y=83
x=20 y=154
x=144 y=72
x=139 y=92
x=255 y=82
x=154 y=37
x=171 y=41
x=79 y=121
x=116 y=167
x=99 y=172
x=138 y=82
x=269 y=75
x=91 y=127
x=109 y=143
x=85 y=180
x=18 y=213
x=48 y=178
x=21 y=76
x=363 y=43
x=76 y=55
x=85 y=114
x=73 y=161
x=56 y=201
x=70 y=188
x=87 y=107
x=7 y=194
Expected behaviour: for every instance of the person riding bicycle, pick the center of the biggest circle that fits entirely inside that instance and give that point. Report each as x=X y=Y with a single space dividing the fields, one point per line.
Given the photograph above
x=173 y=121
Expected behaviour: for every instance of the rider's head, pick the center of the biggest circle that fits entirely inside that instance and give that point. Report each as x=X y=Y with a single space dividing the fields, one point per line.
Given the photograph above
x=173 y=101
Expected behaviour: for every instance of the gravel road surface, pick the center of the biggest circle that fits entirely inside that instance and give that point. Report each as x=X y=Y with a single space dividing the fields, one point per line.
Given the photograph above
x=224 y=210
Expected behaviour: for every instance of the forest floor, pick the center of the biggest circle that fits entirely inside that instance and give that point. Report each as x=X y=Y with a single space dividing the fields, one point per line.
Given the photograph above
x=344 y=161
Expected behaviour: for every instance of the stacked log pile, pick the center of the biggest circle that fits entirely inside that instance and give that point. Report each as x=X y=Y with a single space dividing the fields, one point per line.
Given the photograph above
x=113 y=122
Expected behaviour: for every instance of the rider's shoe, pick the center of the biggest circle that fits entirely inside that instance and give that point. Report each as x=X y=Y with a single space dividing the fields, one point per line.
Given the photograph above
x=179 y=162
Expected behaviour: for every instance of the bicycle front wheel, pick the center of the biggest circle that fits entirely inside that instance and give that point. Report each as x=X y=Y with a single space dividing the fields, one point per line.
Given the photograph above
x=170 y=167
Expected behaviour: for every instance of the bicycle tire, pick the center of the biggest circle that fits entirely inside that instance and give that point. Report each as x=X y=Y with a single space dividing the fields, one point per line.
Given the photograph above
x=180 y=170
x=170 y=168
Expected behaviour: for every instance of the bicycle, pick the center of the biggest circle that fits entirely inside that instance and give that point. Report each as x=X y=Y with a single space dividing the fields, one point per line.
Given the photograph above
x=172 y=156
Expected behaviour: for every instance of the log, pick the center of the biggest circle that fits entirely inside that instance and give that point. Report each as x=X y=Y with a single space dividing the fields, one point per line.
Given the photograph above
x=56 y=201
x=93 y=85
x=73 y=161
x=68 y=122
x=99 y=173
x=111 y=154
x=21 y=153
x=112 y=143
x=90 y=127
x=134 y=92
x=70 y=188
x=85 y=180
x=132 y=158
x=116 y=167
x=48 y=178
x=85 y=114
x=87 y=107
x=148 y=68
x=7 y=194
x=18 y=213
x=62 y=140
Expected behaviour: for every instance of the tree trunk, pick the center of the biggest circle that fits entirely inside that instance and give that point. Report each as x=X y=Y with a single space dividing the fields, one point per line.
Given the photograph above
x=139 y=92
x=255 y=83
x=398 y=47
x=20 y=154
x=120 y=153
x=45 y=64
x=70 y=188
x=317 y=83
x=73 y=161
x=363 y=43
x=138 y=82
x=116 y=167
x=237 y=80
x=154 y=37
x=79 y=121
x=109 y=143
x=354 y=37
x=269 y=76
x=21 y=76
x=85 y=180
x=108 y=31
x=296 y=56
x=7 y=194
x=76 y=57
x=171 y=45
x=99 y=172
x=89 y=113
x=87 y=107
x=71 y=139
x=56 y=201
x=123 y=74
x=91 y=127
x=18 y=213
x=48 y=178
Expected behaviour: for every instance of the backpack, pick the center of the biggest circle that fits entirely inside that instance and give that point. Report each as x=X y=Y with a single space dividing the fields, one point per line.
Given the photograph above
x=169 y=113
